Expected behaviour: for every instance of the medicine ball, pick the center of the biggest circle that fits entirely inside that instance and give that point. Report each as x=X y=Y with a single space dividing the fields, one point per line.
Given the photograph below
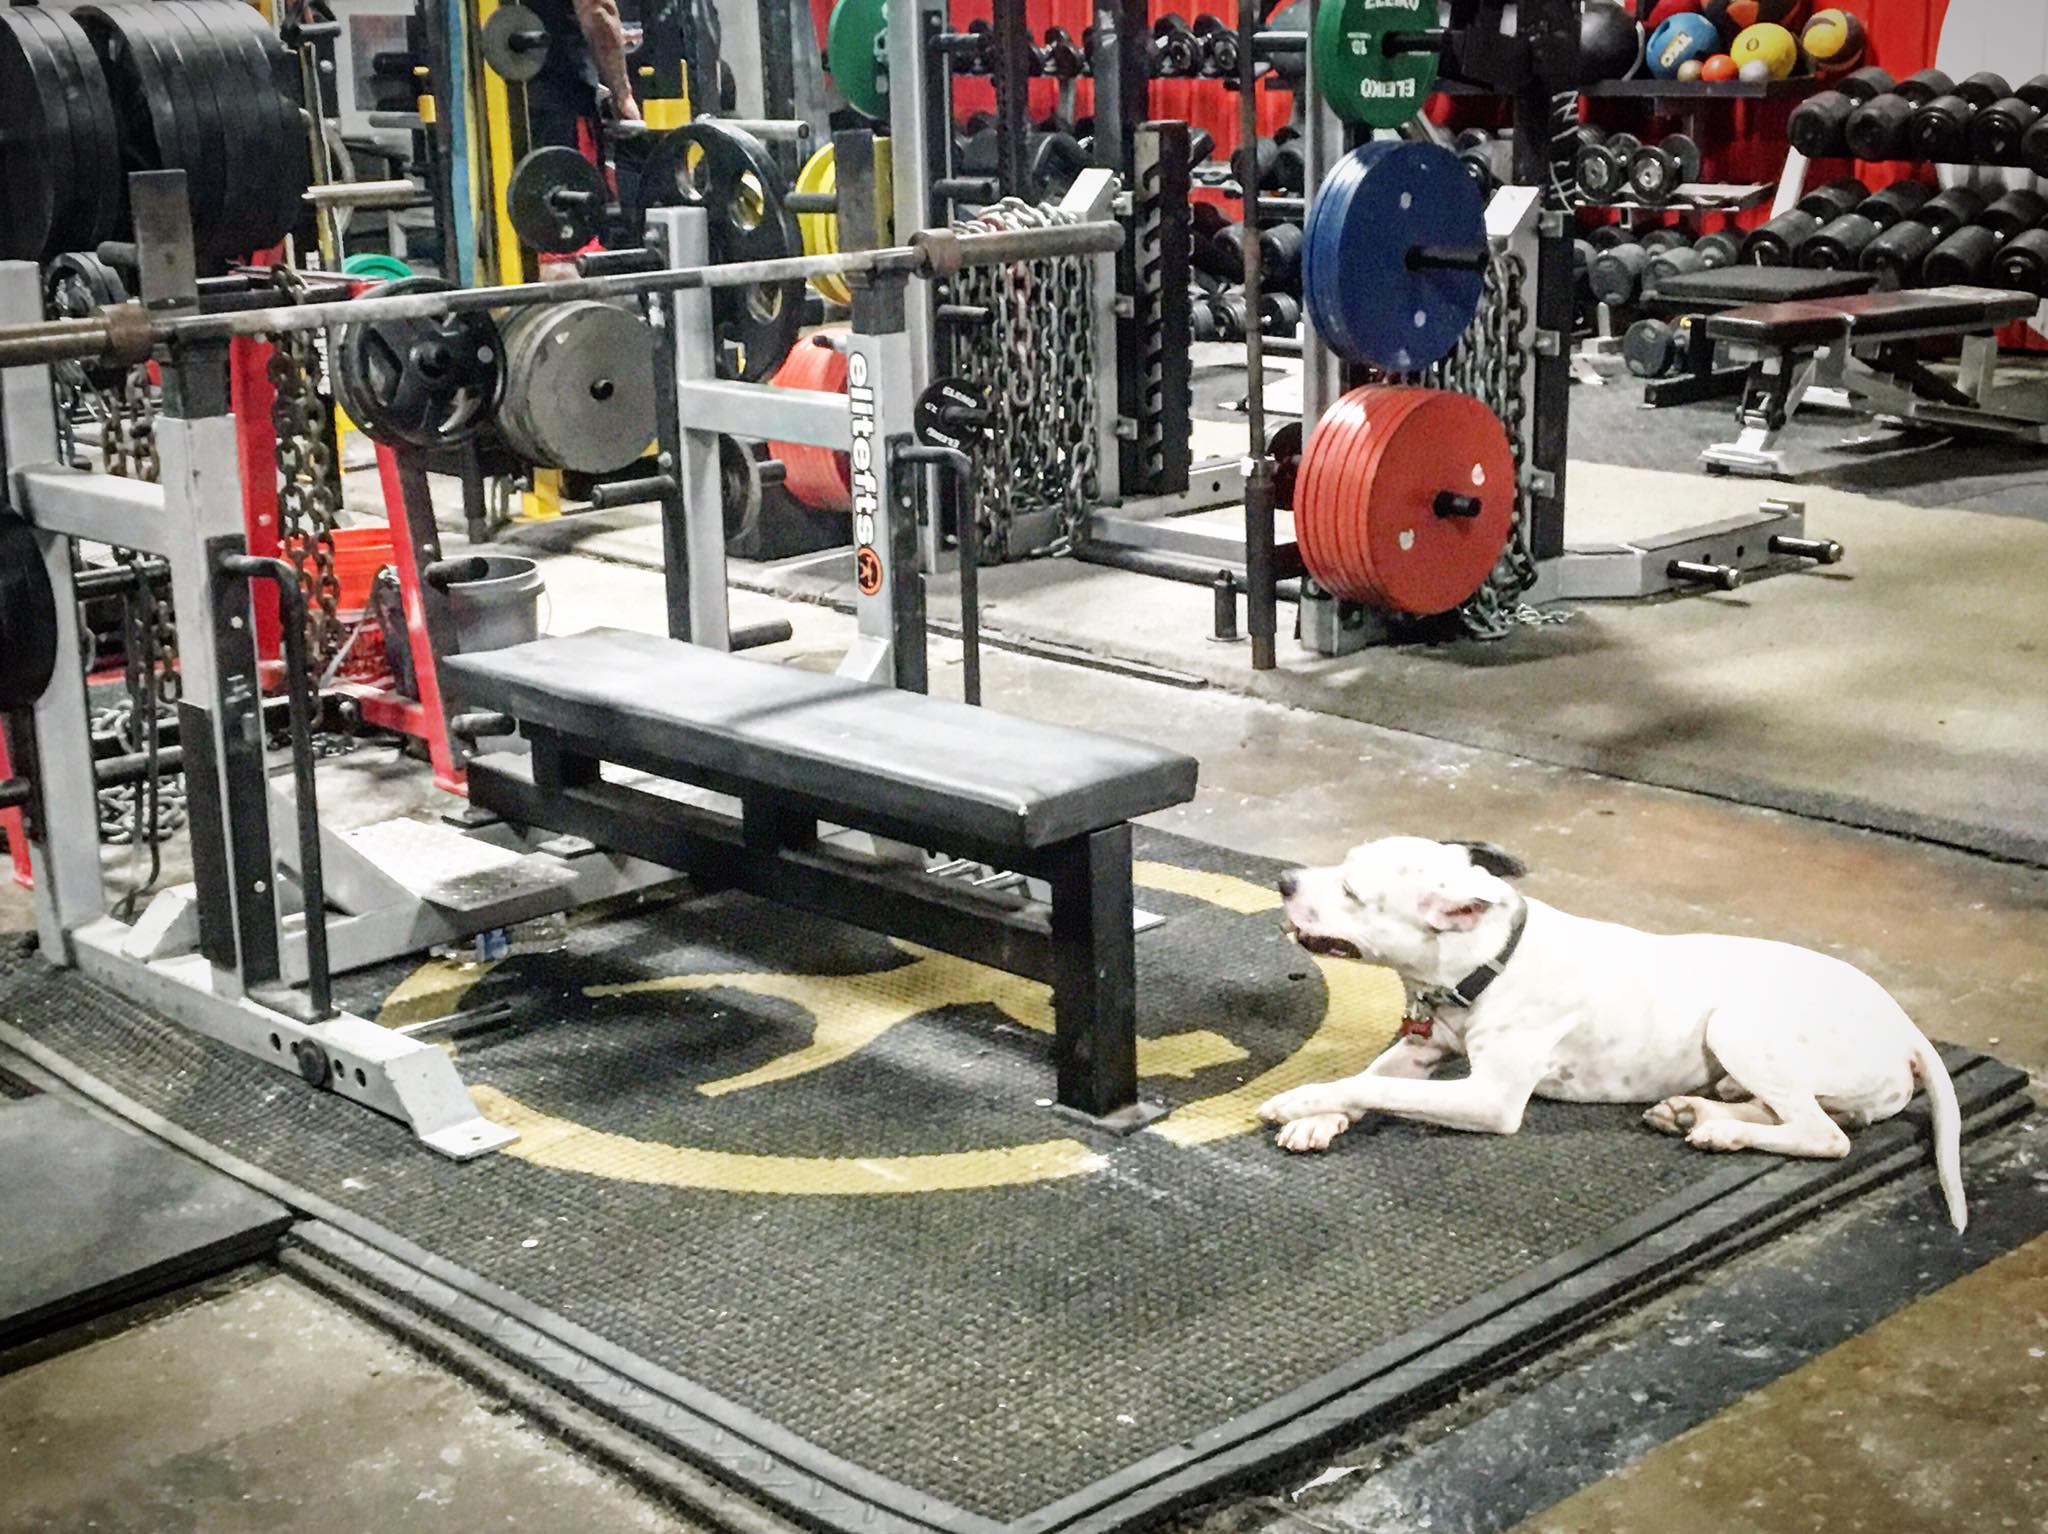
x=1769 y=44
x=1682 y=39
x=1833 y=42
x=1664 y=10
x=1610 y=42
x=1748 y=13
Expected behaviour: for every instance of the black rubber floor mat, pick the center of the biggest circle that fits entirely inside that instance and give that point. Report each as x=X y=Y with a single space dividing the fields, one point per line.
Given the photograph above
x=790 y=1199
x=94 y=1216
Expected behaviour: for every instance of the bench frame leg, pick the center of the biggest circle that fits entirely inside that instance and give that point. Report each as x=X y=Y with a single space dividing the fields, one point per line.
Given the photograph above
x=1095 y=982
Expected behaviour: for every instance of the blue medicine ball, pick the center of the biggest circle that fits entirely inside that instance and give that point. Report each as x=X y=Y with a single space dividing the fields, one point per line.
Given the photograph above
x=1688 y=35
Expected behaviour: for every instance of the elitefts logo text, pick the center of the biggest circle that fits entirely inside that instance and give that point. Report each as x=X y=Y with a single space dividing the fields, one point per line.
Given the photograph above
x=867 y=488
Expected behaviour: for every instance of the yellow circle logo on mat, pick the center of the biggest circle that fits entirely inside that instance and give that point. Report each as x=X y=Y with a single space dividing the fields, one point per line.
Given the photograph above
x=850 y=1011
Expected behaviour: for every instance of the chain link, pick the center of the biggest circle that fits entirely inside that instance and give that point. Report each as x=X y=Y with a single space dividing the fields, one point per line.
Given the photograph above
x=1037 y=354
x=309 y=480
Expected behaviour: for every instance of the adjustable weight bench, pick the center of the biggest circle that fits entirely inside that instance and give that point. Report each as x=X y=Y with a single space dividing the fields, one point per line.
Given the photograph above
x=1865 y=347
x=798 y=749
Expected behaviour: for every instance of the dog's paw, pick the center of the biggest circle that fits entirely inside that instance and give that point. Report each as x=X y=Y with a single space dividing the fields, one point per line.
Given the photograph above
x=1302 y=1103
x=1313 y=1133
x=1675 y=1115
x=1719 y=1135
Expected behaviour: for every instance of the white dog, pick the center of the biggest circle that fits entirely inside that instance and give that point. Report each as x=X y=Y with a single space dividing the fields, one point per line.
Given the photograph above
x=1794 y=1044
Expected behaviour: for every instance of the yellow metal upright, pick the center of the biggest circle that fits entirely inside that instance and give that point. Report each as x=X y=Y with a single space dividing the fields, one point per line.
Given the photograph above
x=500 y=151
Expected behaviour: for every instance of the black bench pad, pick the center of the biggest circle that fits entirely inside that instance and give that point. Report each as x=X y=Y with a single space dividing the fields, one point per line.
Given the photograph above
x=1728 y=286
x=1872 y=316
x=903 y=757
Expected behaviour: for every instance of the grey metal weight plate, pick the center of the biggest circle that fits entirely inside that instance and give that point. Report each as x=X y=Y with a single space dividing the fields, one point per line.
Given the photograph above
x=507 y=43
x=579 y=387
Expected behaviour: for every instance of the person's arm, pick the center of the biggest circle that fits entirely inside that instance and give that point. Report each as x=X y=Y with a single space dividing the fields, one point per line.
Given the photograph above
x=605 y=34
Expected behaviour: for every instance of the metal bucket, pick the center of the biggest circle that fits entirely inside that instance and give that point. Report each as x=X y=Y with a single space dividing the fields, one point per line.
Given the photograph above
x=499 y=608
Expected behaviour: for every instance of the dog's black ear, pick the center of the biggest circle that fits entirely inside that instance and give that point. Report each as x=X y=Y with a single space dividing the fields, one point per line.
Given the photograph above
x=1497 y=861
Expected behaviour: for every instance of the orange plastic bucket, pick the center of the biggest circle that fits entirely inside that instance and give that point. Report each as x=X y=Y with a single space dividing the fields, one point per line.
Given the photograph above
x=359 y=553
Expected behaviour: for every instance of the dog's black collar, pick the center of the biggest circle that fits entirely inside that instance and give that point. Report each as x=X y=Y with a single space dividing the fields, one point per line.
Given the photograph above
x=1466 y=992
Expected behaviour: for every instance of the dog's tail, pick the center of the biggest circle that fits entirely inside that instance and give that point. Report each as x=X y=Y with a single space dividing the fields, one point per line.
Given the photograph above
x=1948 y=1126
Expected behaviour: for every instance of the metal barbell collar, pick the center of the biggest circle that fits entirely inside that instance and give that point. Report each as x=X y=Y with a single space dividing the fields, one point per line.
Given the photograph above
x=128 y=333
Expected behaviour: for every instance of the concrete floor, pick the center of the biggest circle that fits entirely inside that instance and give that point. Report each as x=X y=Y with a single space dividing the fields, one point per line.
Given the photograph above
x=265 y=1406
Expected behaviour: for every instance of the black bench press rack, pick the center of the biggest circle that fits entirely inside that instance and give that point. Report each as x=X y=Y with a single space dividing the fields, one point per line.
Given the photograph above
x=228 y=954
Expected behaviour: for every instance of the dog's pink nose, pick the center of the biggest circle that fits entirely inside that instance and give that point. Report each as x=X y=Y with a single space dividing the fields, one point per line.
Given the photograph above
x=1289 y=884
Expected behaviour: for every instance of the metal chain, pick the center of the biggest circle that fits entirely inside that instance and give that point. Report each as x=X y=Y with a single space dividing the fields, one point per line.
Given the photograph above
x=309 y=480
x=1037 y=354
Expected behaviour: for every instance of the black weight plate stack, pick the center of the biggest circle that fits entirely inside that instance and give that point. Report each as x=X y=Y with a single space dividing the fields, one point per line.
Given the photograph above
x=258 y=186
x=1777 y=242
x=287 y=168
x=28 y=616
x=36 y=154
x=2023 y=264
x=151 y=136
x=1896 y=255
x=2014 y=212
x=96 y=189
x=1902 y=199
x=760 y=322
x=196 y=68
x=1962 y=260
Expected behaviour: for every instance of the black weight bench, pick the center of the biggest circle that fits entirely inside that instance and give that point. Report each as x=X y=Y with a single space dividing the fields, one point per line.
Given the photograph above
x=796 y=749
x=1867 y=347
x=1691 y=296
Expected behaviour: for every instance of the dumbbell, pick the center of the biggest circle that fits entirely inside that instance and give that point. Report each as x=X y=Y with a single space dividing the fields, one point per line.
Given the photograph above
x=1487 y=163
x=1657 y=241
x=1949 y=210
x=1922 y=86
x=2023 y=263
x=1721 y=248
x=1777 y=242
x=1219 y=47
x=1176 y=51
x=1999 y=130
x=1983 y=88
x=1607 y=236
x=1899 y=200
x=2034 y=148
x=1233 y=315
x=1279 y=314
x=1202 y=324
x=1819 y=126
x=1878 y=130
x=1266 y=155
x=1842 y=195
x=2014 y=212
x=1617 y=275
x=1897 y=255
x=1601 y=166
x=1666 y=264
x=1837 y=246
x=1653 y=348
x=1290 y=170
x=1280 y=254
x=1963 y=259
x=1656 y=171
x=1940 y=130
x=1582 y=263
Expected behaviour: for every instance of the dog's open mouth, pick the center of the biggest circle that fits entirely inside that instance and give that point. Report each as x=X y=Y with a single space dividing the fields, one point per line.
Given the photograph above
x=1319 y=943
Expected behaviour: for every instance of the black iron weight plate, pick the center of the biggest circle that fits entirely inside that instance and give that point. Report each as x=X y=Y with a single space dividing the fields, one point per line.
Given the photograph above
x=140 y=95
x=761 y=321
x=254 y=187
x=98 y=129
x=196 y=70
x=73 y=203
x=538 y=222
x=235 y=109
x=35 y=165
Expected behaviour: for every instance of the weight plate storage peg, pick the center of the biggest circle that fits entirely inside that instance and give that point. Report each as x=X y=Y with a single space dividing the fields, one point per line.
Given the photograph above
x=556 y=199
x=857 y=55
x=1404 y=498
x=579 y=386
x=727 y=172
x=425 y=382
x=1376 y=60
x=1394 y=255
